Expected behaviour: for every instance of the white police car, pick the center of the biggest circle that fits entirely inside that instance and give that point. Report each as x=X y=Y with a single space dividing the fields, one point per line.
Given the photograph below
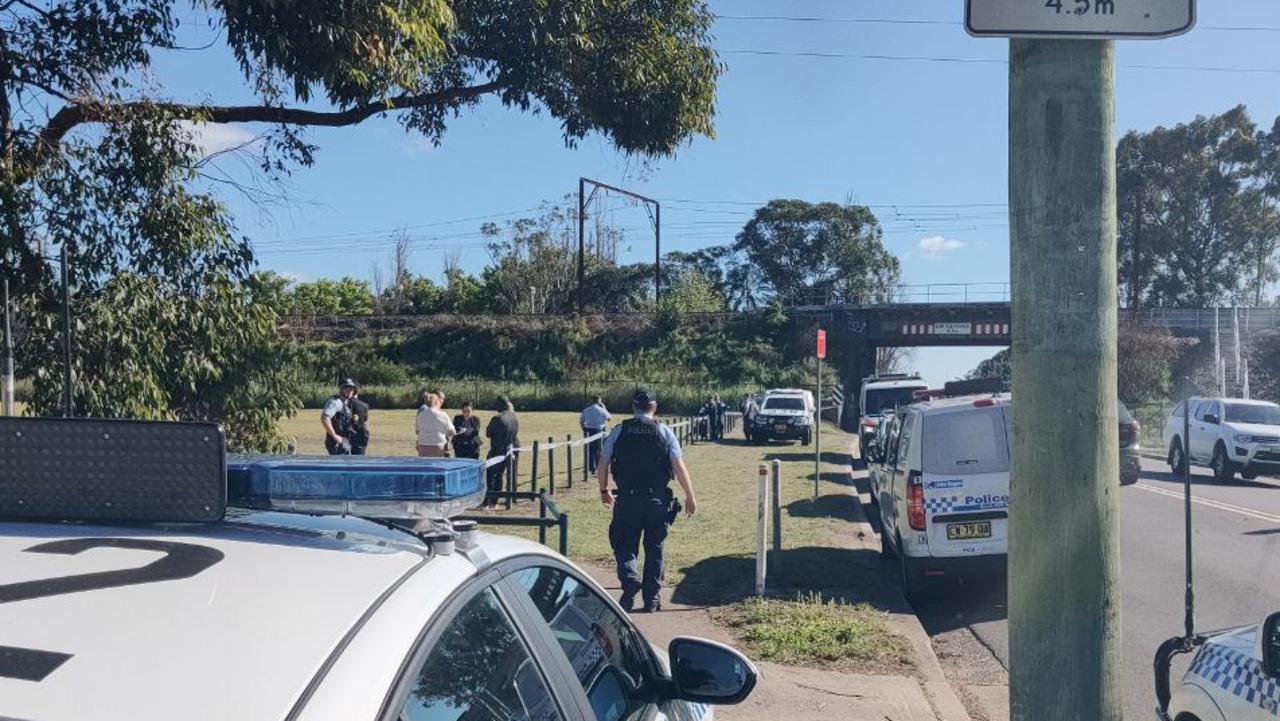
x=1234 y=676
x=129 y=592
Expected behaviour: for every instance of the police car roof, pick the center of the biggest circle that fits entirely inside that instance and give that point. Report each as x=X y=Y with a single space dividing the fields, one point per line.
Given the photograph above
x=228 y=620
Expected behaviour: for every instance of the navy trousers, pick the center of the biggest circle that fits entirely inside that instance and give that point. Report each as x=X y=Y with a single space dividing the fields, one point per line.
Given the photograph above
x=637 y=521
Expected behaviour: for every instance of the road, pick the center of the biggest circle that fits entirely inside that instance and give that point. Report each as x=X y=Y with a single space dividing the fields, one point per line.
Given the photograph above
x=1237 y=564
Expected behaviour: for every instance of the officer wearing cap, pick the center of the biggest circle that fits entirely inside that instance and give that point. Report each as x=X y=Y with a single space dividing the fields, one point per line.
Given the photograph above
x=642 y=456
x=337 y=419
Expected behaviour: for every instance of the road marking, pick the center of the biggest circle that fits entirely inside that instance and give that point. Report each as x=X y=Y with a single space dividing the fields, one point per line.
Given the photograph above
x=1249 y=512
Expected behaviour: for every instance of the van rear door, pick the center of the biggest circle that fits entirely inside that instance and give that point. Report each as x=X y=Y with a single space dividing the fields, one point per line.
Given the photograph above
x=964 y=464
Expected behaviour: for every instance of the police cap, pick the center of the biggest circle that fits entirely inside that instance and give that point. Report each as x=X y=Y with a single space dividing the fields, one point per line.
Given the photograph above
x=348 y=383
x=643 y=398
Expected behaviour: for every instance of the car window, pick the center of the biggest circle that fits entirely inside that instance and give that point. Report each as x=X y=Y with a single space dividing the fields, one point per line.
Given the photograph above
x=1248 y=413
x=891 y=441
x=784 y=404
x=880 y=399
x=479 y=670
x=1123 y=413
x=966 y=441
x=904 y=438
x=608 y=657
x=1177 y=411
x=1202 y=409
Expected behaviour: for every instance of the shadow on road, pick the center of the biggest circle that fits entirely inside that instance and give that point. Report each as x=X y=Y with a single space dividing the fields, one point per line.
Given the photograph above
x=850 y=575
x=1202 y=480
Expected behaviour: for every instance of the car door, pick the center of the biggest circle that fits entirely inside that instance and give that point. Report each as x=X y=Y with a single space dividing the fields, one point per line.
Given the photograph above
x=895 y=467
x=617 y=673
x=477 y=662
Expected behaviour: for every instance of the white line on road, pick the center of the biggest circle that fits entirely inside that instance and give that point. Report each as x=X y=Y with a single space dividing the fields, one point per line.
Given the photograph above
x=1249 y=512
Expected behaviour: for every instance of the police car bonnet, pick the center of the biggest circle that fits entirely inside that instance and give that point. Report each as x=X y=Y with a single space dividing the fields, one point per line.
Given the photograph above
x=149 y=471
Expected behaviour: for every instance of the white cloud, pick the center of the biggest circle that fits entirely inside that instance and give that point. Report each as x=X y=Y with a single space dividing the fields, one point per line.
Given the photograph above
x=936 y=246
x=213 y=138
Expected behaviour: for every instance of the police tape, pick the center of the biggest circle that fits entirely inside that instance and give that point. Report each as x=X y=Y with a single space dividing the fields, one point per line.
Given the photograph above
x=513 y=452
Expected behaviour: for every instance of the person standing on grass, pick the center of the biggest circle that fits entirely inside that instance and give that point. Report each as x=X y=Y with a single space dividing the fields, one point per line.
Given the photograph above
x=466 y=440
x=336 y=419
x=434 y=427
x=594 y=418
x=359 y=424
x=642 y=456
x=503 y=432
x=717 y=418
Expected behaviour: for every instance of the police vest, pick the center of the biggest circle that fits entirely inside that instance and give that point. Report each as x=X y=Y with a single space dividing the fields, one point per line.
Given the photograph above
x=342 y=420
x=640 y=459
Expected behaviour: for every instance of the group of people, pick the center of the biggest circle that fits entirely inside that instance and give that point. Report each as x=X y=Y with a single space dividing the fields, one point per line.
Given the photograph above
x=711 y=419
x=639 y=455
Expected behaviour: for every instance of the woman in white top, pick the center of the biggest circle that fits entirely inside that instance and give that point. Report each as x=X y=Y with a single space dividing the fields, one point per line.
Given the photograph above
x=433 y=426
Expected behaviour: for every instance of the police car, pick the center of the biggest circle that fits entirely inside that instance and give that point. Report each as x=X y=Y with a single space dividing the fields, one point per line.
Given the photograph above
x=130 y=591
x=1234 y=676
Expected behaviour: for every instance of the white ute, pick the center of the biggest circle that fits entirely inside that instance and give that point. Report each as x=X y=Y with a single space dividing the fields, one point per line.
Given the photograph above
x=1228 y=435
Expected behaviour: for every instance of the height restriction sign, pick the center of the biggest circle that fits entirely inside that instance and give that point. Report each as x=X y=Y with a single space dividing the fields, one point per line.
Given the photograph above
x=1084 y=19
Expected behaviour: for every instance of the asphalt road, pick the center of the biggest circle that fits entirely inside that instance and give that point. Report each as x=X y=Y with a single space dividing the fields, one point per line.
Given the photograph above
x=1237 y=569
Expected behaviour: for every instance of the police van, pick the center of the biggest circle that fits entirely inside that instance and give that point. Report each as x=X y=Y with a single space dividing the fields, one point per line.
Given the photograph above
x=940 y=485
x=144 y=576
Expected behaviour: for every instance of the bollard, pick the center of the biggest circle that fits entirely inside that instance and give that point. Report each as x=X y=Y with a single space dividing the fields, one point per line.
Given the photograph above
x=533 y=478
x=551 y=465
x=777 y=508
x=568 y=459
x=762 y=519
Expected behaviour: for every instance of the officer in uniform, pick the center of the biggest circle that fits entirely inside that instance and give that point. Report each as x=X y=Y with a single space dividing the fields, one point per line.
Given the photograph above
x=337 y=419
x=643 y=456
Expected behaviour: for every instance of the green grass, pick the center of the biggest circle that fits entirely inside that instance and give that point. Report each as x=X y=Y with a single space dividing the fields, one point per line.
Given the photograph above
x=813 y=631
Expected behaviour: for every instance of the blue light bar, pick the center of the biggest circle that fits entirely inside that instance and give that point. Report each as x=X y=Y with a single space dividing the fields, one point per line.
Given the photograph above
x=400 y=488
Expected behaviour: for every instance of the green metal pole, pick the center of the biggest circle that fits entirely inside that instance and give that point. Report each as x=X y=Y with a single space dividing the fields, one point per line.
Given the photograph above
x=1064 y=562
x=817 y=436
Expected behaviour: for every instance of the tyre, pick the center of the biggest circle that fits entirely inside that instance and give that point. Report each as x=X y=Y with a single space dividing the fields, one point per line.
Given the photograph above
x=910 y=579
x=1223 y=469
x=886 y=544
x=1177 y=459
x=1128 y=480
x=808 y=437
x=1248 y=476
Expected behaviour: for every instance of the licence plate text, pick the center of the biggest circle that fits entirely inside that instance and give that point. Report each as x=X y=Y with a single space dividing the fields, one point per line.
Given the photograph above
x=966 y=531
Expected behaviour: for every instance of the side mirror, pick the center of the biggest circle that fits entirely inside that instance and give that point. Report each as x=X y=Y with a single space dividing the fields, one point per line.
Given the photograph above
x=1270 y=642
x=1211 y=419
x=708 y=672
x=875 y=453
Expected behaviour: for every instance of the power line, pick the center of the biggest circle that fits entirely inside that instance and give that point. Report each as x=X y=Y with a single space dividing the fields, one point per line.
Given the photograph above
x=949 y=23
x=981 y=61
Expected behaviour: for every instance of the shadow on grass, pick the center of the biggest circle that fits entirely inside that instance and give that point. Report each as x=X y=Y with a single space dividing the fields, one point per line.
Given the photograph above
x=835 y=458
x=852 y=575
x=835 y=505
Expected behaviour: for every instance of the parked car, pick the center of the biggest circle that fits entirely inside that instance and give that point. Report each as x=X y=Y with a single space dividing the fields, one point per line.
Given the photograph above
x=880 y=393
x=1228 y=435
x=1130 y=446
x=940 y=484
x=785 y=414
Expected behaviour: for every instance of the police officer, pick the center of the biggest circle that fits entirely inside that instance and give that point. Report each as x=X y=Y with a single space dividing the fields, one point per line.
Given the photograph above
x=642 y=456
x=359 y=435
x=337 y=420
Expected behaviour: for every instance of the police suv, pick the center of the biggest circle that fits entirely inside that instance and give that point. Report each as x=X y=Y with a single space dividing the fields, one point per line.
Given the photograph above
x=335 y=589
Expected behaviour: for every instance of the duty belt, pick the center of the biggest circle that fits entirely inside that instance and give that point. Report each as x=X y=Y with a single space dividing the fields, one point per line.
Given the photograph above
x=646 y=492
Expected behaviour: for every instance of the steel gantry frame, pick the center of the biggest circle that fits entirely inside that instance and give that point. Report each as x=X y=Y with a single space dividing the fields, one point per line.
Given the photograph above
x=655 y=216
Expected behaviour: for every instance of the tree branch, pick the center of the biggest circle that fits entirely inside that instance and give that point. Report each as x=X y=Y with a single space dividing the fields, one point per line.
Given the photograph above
x=76 y=114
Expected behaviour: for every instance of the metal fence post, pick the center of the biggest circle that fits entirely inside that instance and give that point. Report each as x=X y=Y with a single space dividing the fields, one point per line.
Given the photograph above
x=586 y=457
x=564 y=533
x=777 y=507
x=568 y=459
x=511 y=476
x=762 y=519
x=551 y=465
x=533 y=478
x=542 y=514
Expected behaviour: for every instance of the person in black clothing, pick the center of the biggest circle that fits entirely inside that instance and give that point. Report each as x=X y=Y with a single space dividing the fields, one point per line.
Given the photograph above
x=717 y=418
x=466 y=442
x=642 y=456
x=503 y=433
x=336 y=419
x=359 y=435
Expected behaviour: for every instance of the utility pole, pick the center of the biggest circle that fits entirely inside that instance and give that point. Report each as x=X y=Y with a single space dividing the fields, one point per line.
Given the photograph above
x=1064 y=562
x=582 y=252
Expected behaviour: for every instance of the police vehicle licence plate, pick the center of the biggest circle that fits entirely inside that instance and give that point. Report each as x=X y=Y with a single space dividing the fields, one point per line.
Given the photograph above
x=966 y=531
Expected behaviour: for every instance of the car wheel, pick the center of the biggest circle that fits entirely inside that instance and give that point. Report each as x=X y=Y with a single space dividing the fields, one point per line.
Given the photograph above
x=1248 y=476
x=1128 y=480
x=1177 y=459
x=910 y=579
x=1223 y=469
x=887 y=549
x=808 y=437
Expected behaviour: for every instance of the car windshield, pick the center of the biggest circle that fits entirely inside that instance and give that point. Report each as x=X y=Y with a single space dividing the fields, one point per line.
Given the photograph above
x=784 y=404
x=881 y=399
x=1123 y=413
x=1256 y=414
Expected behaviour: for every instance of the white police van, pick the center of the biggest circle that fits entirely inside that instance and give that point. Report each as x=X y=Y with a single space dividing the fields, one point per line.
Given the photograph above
x=940 y=482
x=1234 y=676
x=129 y=591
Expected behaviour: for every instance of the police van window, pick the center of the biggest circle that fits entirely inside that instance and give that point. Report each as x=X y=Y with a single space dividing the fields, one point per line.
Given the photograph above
x=607 y=657
x=972 y=440
x=479 y=671
x=904 y=438
x=891 y=441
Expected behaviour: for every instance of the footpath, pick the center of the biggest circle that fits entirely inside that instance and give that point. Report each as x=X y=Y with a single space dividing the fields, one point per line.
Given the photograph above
x=807 y=693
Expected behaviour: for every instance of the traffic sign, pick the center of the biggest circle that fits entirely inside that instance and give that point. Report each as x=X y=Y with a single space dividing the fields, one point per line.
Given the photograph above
x=822 y=344
x=1082 y=19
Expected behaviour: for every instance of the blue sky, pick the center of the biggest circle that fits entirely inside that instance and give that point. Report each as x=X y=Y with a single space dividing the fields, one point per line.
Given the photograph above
x=923 y=142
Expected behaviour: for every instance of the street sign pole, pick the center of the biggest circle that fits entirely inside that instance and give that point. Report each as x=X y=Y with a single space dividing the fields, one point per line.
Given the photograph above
x=1064 y=563
x=817 y=421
